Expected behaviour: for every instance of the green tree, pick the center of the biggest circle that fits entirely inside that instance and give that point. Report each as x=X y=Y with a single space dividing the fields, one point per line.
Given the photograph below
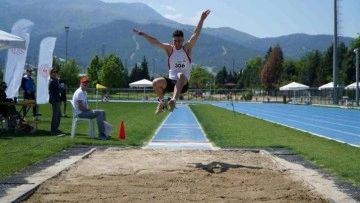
x=135 y=74
x=231 y=77
x=139 y=73
x=200 y=78
x=349 y=64
x=347 y=73
x=272 y=69
x=267 y=54
x=250 y=74
x=221 y=76
x=93 y=70
x=113 y=74
x=70 y=72
x=290 y=71
x=355 y=43
x=1 y=74
x=144 y=73
x=56 y=64
x=325 y=70
x=310 y=68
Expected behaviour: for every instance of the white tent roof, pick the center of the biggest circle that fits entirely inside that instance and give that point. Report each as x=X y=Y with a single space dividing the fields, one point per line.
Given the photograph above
x=329 y=85
x=8 y=41
x=141 y=83
x=351 y=86
x=294 y=86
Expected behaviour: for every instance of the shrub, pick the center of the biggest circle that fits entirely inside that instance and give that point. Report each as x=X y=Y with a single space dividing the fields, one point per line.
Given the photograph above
x=247 y=95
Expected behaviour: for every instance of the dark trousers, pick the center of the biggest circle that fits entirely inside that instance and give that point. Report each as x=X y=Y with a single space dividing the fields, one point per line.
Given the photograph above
x=100 y=118
x=56 y=116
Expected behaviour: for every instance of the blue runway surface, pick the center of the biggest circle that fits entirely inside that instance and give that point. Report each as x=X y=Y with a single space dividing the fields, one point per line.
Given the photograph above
x=333 y=123
x=180 y=130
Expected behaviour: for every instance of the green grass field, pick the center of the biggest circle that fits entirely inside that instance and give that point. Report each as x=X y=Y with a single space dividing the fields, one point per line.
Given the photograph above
x=223 y=128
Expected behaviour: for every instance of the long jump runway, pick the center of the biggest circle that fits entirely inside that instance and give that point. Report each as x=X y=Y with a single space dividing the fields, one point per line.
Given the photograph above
x=333 y=123
x=180 y=130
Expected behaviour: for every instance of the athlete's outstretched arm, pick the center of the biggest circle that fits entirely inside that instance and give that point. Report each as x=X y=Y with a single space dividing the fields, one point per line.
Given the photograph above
x=153 y=40
x=197 y=30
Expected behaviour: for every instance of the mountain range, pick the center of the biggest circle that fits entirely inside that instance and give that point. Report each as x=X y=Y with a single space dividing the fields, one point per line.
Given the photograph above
x=106 y=28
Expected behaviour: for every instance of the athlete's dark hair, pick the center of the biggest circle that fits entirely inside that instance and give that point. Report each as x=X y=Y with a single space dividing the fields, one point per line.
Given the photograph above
x=178 y=33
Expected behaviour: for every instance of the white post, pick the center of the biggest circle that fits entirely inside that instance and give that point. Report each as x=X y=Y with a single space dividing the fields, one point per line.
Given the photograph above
x=97 y=92
x=144 y=99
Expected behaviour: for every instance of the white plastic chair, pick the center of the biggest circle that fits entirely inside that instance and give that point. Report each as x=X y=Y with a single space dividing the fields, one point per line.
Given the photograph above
x=75 y=119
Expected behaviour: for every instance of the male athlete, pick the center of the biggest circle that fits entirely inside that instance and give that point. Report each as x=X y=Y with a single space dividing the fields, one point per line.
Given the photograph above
x=179 y=62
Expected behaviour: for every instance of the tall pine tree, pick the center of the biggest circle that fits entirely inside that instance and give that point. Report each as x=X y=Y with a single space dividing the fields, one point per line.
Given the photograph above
x=271 y=71
x=144 y=70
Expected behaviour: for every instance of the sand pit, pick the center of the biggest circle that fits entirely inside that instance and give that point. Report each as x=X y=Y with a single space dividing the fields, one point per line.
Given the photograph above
x=134 y=175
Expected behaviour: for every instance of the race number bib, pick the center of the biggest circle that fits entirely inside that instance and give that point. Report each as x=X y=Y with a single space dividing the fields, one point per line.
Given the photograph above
x=179 y=64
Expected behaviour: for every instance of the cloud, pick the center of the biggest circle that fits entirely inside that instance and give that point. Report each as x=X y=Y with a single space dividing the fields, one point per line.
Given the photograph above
x=169 y=8
x=176 y=17
x=172 y=13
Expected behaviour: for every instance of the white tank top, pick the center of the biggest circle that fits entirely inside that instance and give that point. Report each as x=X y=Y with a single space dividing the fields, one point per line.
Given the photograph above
x=179 y=62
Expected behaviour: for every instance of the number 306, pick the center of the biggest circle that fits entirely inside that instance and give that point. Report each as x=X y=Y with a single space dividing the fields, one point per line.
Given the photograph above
x=179 y=65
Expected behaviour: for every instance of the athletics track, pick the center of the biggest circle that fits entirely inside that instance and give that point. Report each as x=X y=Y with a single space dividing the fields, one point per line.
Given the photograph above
x=332 y=123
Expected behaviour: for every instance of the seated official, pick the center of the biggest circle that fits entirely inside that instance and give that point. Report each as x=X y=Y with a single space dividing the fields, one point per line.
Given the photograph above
x=7 y=107
x=82 y=109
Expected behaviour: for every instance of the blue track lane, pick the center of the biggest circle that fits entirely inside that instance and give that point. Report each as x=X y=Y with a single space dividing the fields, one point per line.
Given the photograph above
x=180 y=130
x=333 y=123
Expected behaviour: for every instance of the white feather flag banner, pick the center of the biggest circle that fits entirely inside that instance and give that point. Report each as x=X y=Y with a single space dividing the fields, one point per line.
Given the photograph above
x=16 y=57
x=47 y=46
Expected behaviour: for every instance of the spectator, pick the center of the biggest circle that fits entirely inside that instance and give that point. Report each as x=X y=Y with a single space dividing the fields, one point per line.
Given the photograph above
x=6 y=109
x=11 y=116
x=27 y=84
x=82 y=109
x=63 y=99
x=105 y=97
x=54 y=100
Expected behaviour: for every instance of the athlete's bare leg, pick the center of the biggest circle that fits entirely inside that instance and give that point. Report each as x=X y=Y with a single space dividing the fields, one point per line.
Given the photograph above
x=177 y=90
x=179 y=85
x=159 y=84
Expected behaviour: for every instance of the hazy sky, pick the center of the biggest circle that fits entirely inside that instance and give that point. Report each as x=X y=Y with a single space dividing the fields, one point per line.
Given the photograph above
x=264 y=18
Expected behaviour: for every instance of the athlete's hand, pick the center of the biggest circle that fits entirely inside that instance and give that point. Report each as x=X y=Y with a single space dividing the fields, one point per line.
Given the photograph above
x=205 y=14
x=138 y=32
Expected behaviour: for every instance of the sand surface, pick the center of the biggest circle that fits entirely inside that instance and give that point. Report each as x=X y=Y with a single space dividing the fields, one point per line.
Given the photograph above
x=134 y=175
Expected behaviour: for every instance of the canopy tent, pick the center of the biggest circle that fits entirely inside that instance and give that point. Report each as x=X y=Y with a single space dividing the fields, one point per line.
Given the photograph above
x=351 y=86
x=141 y=83
x=294 y=86
x=8 y=41
x=328 y=86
